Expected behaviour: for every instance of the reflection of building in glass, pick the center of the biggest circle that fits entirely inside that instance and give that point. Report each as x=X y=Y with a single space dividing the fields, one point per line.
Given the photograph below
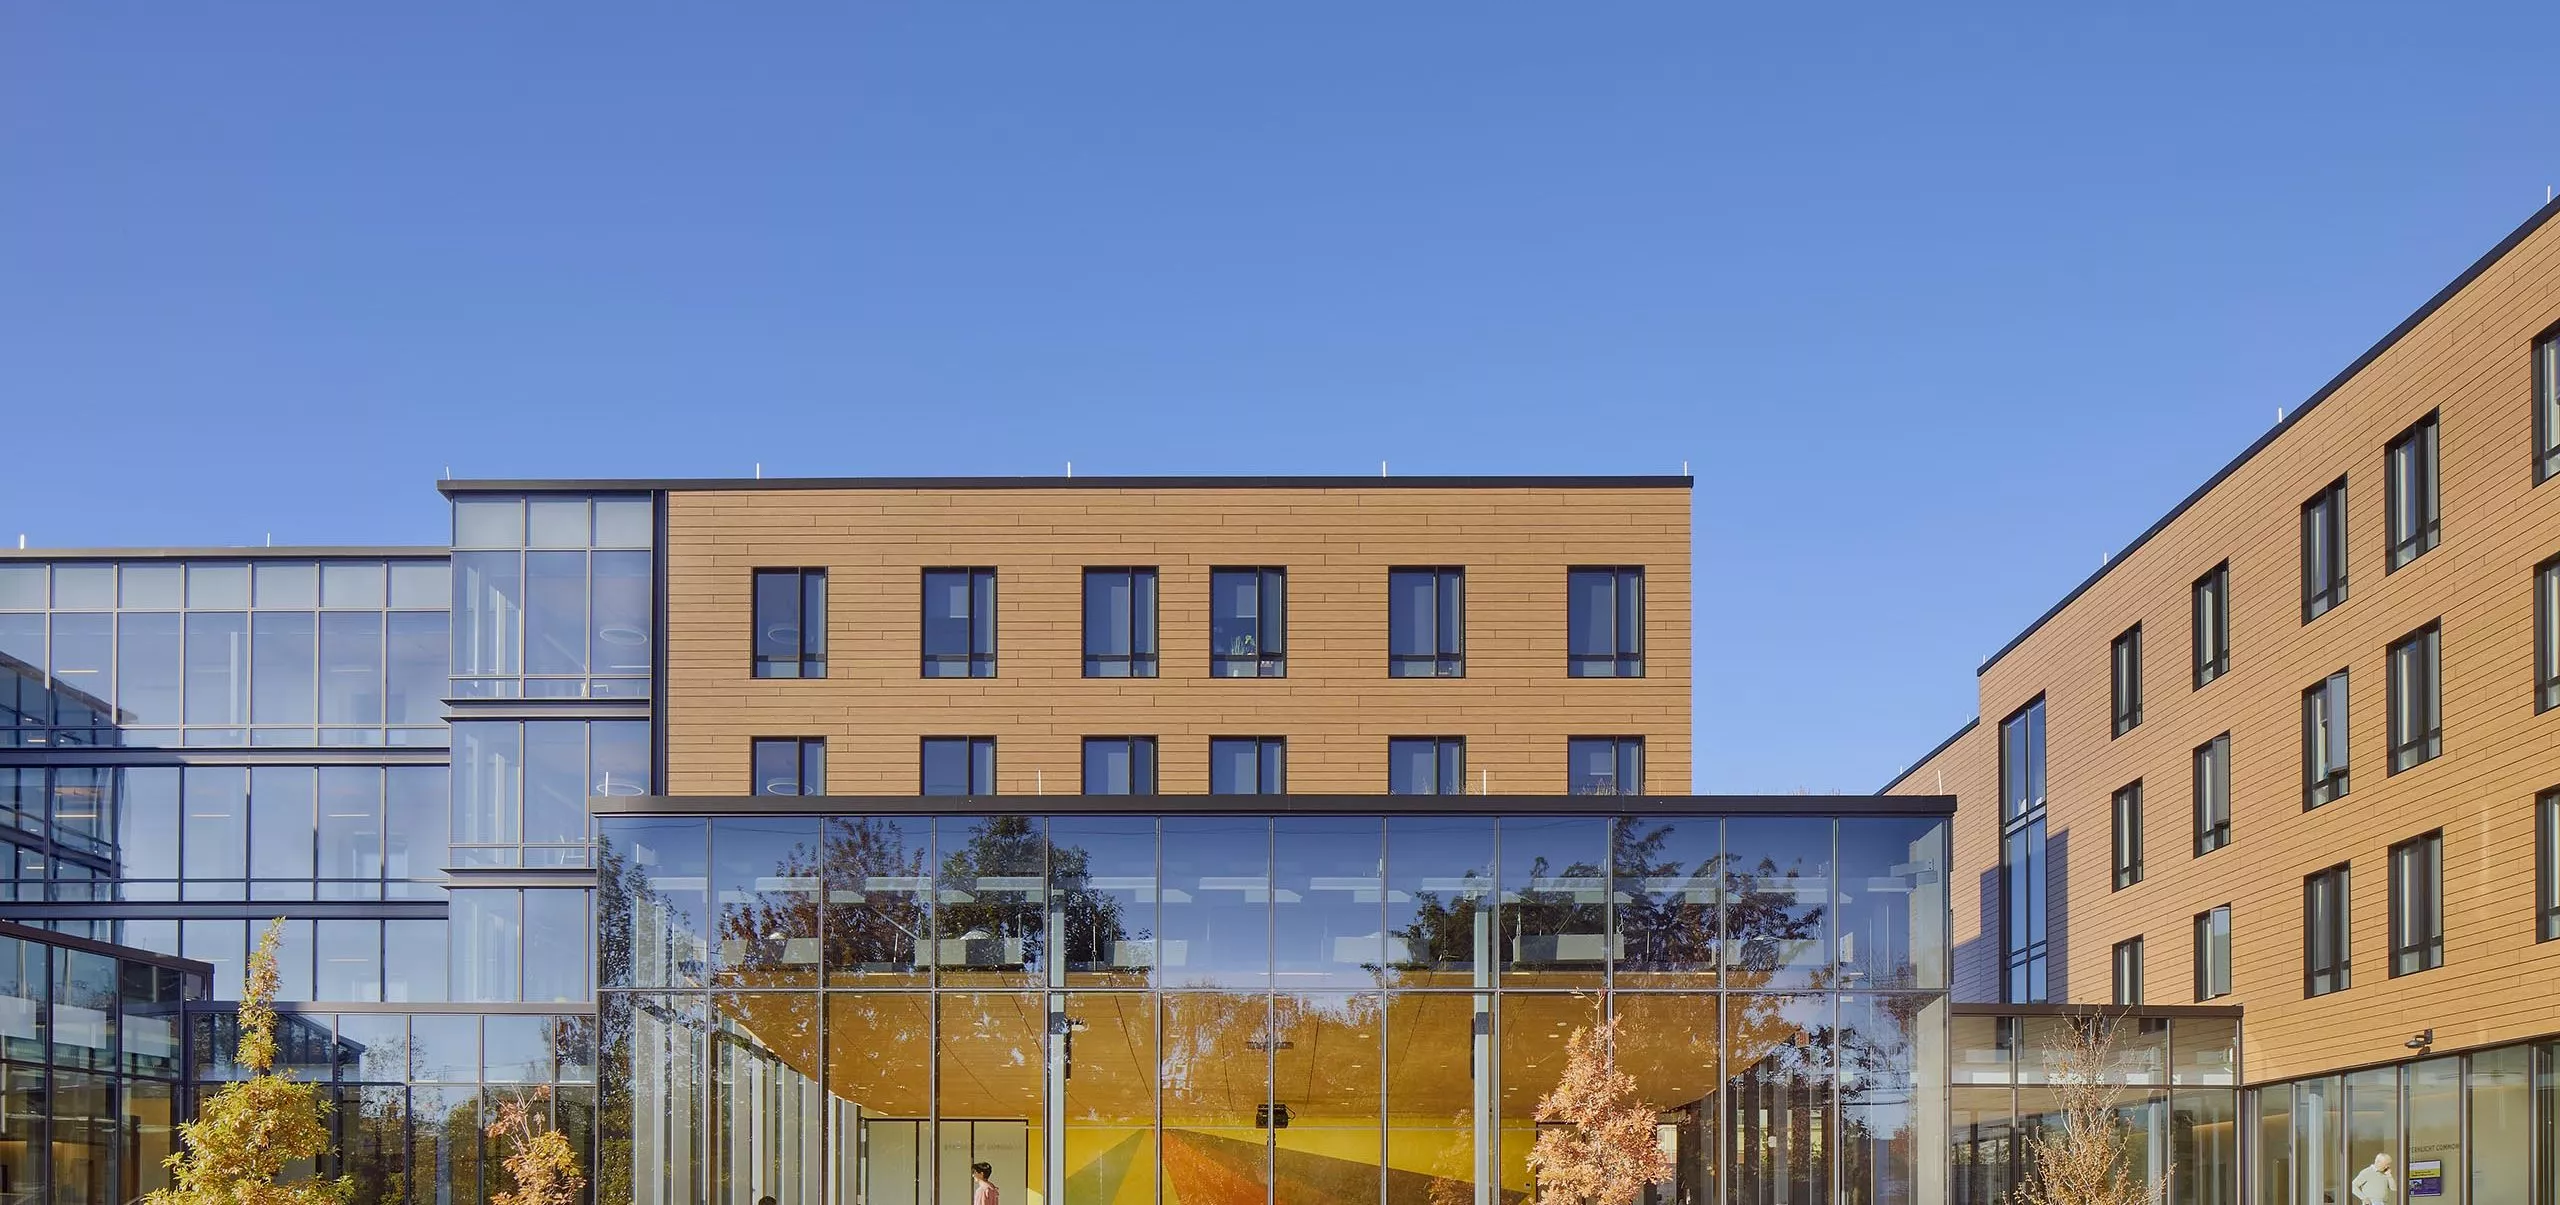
x=1199 y=998
x=93 y=1065
x=2304 y=740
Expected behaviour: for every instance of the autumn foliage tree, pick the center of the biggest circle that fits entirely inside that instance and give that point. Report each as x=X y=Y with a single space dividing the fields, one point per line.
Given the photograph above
x=1598 y=1147
x=238 y=1147
x=2080 y=1157
x=539 y=1158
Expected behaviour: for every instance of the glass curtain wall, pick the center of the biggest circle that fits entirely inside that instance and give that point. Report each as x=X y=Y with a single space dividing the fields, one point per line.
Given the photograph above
x=2481 y=1128
x=277 y=653
x=92 y=1069
x=2181 y=1097
x=1234 y=1008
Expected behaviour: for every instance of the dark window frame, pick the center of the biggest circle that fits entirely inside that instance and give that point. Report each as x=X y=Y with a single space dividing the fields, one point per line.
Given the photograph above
x=2416 y=739
x=1625 y=657
x=2213 y=980
x=2546 y=635
x=2212 y=809
x=1448 y=658
x=1269 y=655
x=1142 y=770
x=2327 y=958
x=1444 y=750
x=1620 y=761
x=1270 y=760
x=2126 y=960
x=2423 y=441
x=2546 y=405
x=2026 y=869
x=2546 y=844
x=808 y=754
x=2417 y=868
x=975 y=661
x=2124 y=809
x=1138 y=662
x=970 y=748
x=2324 y=551
x=2211 y=635
x=810 y=660
x=2124 y=682
x=2325 y=778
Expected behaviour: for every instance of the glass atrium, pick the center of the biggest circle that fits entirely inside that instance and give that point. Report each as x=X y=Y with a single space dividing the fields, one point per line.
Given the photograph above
x=1201 y=1001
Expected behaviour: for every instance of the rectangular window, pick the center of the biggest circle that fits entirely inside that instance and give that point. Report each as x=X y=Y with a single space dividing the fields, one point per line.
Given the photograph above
x=2324 y=932
x=1119 y=765
x=2417 y=702
x=2127 y=807
x=2324 y=551
x=1426 y=623
x=1248 y=623
x=2409 y=479
x=2124 y=673
x=959 y=623
x=2022 y=761
x=1248 y=765
x=2213 y=794
x=791 y=623
x=2546 y=844
x=2546 y=635
x=790 y=765
x=1604 y=622
x=1427 y=765
x=958 y=765
x=2324 y=741
x=1604 y=765
x=2128 y=962
x=2213 y=624
x=2546 y=408
x=2023 y=934
x=2213 y=953
x=1119 y=623
x=2417 y=904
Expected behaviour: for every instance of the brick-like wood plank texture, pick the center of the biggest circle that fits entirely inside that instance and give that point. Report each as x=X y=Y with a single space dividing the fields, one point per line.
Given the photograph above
x=1336 y=707
x=2469 y=363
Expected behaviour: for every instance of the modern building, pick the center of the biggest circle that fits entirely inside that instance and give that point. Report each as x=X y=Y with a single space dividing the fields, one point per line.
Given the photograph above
x=2295 y=751
x=1181 y=840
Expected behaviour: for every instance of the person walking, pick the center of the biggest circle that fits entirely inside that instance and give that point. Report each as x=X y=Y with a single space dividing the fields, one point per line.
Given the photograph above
x=983 y=1192
x=2373 y=1185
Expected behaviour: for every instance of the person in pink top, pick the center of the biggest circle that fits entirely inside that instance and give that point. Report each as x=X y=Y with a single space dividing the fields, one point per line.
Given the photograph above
x=983 y=1192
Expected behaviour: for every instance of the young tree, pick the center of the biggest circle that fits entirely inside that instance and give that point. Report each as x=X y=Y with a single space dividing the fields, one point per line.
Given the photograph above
x=249 y=1132
x=541 y=1161
x=1604 y=1152
x=2080 y=1158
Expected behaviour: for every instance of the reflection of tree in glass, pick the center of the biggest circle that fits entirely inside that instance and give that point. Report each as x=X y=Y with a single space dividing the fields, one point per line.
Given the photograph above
x=1015 y=853
x=622 y=894
x=1442 y=936
x=1765 y=918
x=1662 y=929
x=1554 y=904
x=1215 y=1058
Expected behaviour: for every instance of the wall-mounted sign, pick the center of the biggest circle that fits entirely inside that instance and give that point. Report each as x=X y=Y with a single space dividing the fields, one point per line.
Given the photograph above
x=2426 y=1177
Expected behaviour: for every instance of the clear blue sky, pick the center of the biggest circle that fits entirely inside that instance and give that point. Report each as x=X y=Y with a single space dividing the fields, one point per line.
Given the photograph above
x=1940 y=302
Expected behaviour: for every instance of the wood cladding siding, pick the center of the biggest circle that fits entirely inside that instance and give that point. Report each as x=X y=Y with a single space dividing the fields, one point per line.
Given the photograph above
x=1336 y=707
x=2468 y=361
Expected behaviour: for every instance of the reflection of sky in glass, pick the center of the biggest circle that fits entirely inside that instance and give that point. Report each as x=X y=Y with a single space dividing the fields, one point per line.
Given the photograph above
x=1329 y=888
x=1216 y=901
x=1440 y=891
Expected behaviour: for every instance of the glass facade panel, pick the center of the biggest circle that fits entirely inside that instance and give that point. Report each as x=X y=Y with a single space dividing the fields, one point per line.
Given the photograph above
x=877 y=876
x=1109 y=1059
x=1667 y=890
x=1328 y=897
x=1554 y=914
x=1778 y=901
x=1216 y=910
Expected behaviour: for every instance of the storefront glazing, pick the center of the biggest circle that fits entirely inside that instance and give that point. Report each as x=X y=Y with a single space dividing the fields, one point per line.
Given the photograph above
x=1213 y=1007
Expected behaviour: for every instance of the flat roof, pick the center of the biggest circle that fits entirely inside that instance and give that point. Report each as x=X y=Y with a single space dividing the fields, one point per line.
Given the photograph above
x=1441 y=482
x=2540 y=217
x=1267 y=805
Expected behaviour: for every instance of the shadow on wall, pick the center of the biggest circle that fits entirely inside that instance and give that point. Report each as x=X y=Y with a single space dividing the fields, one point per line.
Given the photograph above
x=1980 y=963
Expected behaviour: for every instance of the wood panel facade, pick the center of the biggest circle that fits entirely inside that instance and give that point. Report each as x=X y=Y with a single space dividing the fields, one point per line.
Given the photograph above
x=1516 y=706
x=2466 y=360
